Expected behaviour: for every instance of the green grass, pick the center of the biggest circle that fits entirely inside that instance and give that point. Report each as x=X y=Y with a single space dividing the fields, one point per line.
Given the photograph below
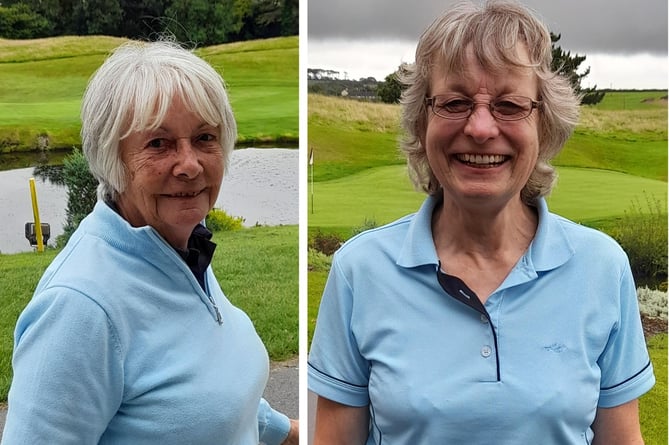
x=385 y=194
x=633 y=100
x=256 y=268
x=20 y=274
x=42 y=81
x=640 y=154
x=316 y=284
x=653 y=405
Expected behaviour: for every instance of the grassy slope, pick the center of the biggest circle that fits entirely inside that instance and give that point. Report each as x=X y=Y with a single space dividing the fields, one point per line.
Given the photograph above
x=383 y=194
x=243 y=261
x=42 y=81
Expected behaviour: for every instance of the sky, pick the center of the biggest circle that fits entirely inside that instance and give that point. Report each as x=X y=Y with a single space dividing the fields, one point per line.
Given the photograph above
x=625 y=42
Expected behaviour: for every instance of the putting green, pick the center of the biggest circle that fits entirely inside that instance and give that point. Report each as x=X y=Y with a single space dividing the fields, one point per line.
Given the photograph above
x=383 y=194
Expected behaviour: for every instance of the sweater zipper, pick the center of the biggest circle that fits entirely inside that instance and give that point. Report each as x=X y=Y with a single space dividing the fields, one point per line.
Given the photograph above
x=219 y=319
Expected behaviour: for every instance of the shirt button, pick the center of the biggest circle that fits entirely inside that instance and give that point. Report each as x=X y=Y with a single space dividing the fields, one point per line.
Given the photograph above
x=486 y=351
x=484 y=320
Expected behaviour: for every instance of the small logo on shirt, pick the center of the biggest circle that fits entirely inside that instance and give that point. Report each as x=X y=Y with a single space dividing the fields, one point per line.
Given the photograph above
x=555 y=347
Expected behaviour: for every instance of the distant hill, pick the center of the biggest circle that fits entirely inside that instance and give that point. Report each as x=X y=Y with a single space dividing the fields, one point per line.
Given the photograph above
x=42 y=82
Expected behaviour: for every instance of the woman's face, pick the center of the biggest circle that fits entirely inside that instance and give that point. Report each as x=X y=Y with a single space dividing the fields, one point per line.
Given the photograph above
x=480 y=160
x=174 y=174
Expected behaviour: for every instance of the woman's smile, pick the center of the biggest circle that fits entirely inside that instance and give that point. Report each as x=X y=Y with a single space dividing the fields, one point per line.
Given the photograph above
x=183 y=195
x=481 y=160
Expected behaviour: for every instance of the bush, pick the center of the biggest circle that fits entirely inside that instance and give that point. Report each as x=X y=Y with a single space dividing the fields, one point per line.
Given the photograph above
x=81 y=193
x=219 y=221
x=642 y=233
x=368 y=224
x=318 y=261
x=652 y=303
x=326 y=243
x=18 y=21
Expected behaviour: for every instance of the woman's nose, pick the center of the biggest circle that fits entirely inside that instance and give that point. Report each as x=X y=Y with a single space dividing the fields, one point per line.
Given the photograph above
x=481 y=125
x=187 y=161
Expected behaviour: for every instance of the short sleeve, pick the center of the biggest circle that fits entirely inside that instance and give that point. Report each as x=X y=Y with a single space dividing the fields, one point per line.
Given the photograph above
x=336 y=369
x=68 y=374
x=627 y=372
x=273 y=427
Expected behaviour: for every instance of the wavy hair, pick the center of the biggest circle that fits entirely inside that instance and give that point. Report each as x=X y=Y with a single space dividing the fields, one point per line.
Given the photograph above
x=494 y=30
x=132 y=91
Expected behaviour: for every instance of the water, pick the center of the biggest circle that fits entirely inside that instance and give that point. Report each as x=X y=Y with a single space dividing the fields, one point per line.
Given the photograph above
x=261 y=186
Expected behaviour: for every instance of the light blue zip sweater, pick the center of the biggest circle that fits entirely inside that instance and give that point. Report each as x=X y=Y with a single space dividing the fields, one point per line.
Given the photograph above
x=121 y=345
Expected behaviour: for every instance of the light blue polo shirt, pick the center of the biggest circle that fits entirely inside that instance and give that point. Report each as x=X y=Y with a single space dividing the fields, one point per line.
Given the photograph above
x=560 y=336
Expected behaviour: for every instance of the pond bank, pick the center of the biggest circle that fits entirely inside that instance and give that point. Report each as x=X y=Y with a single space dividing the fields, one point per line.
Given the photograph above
x=261 y=186
x=24 y=157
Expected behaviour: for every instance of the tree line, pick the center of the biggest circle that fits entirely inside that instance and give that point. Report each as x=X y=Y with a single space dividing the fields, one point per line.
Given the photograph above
x=202 y=22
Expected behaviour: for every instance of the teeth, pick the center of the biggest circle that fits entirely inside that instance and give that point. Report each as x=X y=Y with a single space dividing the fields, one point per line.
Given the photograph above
x=181 y=195
x=481 y=159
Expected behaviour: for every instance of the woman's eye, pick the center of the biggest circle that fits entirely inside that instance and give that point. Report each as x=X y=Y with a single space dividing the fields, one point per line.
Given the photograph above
x=456 y=105
x=207 y=137
x=157 y=143
x=509 y=107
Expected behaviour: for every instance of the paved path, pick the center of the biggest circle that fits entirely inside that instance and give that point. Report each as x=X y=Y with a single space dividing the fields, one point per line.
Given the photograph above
x=281 y=392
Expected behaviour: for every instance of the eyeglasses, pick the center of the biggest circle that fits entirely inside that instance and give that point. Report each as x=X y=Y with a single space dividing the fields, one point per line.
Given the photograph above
x=505 y=108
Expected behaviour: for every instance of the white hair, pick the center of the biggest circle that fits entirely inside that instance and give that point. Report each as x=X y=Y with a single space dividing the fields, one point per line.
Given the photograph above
x=132 y=91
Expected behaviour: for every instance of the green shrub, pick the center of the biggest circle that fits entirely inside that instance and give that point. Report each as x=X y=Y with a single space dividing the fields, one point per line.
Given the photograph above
x=366 y=225
x=219 y=221
x=326 y=243
x=81 y=193
x=318 y=261
x=642 y=232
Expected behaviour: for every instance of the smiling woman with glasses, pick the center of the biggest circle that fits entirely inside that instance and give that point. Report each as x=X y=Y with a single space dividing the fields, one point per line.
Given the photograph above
x=483 y=318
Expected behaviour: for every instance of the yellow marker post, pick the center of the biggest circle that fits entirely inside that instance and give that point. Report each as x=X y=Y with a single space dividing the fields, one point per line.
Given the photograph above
x=38 y=224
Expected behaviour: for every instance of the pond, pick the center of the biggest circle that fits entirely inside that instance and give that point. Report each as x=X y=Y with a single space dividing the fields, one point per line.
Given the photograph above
x=261 y=186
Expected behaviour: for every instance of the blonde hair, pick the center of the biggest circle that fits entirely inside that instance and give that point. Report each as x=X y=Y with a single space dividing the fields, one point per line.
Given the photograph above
x=132 y=91
x=494 y=31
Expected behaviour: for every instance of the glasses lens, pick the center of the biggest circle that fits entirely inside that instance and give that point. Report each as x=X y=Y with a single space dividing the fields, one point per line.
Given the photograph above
x=512 y=108
x=452 y=107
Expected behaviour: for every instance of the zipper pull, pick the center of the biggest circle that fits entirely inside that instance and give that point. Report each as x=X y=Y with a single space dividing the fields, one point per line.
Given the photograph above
x=219 y=319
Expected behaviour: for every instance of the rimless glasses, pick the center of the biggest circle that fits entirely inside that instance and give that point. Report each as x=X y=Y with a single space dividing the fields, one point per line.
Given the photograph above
x=505 y=108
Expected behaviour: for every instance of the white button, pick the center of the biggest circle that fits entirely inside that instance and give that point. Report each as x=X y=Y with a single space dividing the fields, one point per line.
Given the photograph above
x=486 y=351
x=484 y=319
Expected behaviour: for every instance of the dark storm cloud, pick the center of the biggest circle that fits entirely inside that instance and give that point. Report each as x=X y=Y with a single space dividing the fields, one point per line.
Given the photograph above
x=586 y=25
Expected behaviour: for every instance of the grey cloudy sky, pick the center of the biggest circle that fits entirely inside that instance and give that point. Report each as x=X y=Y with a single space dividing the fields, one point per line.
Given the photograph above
x=624 y=41
x=603 y=26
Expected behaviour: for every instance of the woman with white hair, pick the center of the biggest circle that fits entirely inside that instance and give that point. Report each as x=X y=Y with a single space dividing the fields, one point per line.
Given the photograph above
x=128 y=338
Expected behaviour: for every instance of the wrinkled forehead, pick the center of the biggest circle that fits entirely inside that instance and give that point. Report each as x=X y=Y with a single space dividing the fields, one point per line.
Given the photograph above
x=492 y=58
x=149 y=112
x=503 y=70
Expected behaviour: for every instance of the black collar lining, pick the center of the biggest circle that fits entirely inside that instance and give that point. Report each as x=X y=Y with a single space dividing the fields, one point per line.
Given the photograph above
x=457 y=289
x=199 y=254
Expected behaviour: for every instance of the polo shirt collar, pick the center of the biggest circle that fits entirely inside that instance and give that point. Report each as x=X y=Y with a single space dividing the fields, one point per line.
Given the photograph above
x=418 y=247
x=551 y=246
x=549 y=249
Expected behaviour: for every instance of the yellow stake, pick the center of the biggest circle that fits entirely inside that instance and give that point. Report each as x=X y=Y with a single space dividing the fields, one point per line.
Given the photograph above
x=38 y=224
